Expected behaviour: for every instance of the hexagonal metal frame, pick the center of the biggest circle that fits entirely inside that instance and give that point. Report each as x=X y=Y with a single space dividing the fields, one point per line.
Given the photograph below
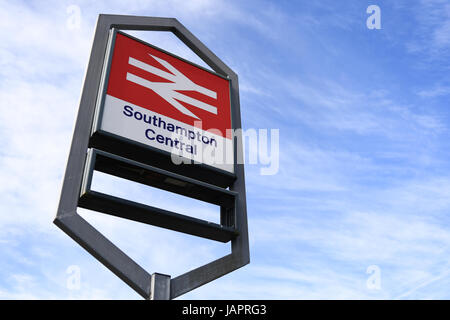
x=92 y=240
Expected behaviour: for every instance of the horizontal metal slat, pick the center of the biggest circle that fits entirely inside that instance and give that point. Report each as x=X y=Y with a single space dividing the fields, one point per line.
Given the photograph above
x=155 y=177
x=155 y=216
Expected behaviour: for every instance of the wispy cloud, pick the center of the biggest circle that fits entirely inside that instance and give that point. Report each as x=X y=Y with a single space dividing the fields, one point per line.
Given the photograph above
x=437 y=91
x=431 y=29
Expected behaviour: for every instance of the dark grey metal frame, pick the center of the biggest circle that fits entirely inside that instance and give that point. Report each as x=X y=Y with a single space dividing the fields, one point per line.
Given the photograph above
x=156 y=285
x=162 y=179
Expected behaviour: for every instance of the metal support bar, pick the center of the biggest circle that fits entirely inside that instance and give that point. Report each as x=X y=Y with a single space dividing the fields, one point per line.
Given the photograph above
x=156 y=177
x=138 y=152
x=106 y=252
x=160 y=287
x=139 y=212
x=204 y=274
x=159 y=178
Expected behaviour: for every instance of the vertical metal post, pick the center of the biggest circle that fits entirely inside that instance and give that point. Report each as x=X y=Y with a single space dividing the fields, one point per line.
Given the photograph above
x=160 y=287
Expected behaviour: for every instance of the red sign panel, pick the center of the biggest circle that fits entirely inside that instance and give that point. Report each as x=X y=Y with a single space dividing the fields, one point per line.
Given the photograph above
x=169 y=86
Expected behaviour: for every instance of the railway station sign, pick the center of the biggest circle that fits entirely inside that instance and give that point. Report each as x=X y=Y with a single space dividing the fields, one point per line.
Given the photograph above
x=156 y=99
x=139 y=106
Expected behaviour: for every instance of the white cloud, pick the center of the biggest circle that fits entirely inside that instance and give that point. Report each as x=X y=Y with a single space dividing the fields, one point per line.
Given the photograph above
x=437 y=91
x=431 y=28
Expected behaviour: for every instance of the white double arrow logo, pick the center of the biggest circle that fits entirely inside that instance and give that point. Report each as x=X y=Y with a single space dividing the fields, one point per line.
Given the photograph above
x=168 y=90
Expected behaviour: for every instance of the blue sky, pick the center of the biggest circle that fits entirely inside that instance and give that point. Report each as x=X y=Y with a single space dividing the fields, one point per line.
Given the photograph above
x=364 y=149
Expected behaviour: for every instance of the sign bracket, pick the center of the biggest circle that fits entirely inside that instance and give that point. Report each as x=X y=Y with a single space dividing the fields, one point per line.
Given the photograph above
x=150 y=286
